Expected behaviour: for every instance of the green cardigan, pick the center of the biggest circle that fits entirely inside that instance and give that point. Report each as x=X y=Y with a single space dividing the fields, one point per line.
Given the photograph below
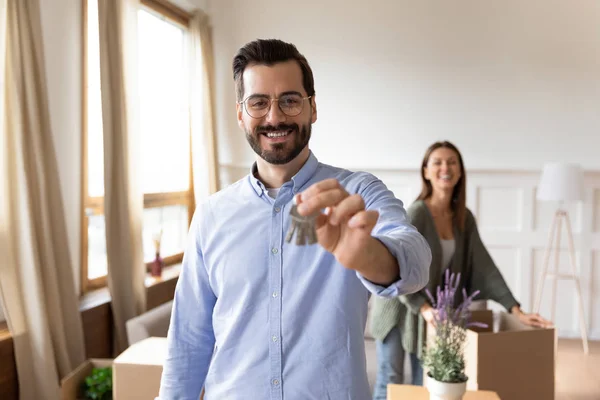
x=471 y=259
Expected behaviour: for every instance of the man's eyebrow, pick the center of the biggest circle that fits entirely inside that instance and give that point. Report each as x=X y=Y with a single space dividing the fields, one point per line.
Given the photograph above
x=290 y=92
x=262 y=95
x=258 y=95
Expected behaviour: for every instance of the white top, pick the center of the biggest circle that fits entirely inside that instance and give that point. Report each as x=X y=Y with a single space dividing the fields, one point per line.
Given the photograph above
x=273 y=192
x=448 y=247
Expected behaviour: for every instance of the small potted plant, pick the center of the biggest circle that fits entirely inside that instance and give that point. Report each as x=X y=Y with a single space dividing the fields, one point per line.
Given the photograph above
x=444 y=358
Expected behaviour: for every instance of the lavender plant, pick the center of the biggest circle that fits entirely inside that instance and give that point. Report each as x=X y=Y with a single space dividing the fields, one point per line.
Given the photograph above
x=444 y=359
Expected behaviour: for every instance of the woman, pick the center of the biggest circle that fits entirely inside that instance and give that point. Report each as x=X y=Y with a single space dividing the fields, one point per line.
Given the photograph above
x=440 y=215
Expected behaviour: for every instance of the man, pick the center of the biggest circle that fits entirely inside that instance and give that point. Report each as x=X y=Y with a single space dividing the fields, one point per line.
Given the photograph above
x=256 y=317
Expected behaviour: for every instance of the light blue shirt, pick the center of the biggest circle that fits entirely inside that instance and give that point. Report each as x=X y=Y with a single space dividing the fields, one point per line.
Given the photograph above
x=257 y=318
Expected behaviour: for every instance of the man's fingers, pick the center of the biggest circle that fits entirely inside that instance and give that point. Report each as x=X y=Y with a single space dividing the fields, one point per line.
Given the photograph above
x=321 y=186
x=320 y=200
x=320 y=220
x=329 y=198
x=326 y=193
x=364 y=219
x=347 y=208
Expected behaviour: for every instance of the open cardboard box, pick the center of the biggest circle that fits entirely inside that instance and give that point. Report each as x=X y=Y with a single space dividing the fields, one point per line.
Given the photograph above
x=71 y=385
x=137 y=371
x=512 y=359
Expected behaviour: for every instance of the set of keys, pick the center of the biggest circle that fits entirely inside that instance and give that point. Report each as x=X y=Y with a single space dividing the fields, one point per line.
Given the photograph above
x=302 y=226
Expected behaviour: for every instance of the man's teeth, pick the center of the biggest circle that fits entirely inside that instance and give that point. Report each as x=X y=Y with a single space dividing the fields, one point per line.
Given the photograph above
x=276 y=134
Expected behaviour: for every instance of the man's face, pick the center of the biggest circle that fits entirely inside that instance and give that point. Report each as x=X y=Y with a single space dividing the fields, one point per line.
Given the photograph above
x=273 y=134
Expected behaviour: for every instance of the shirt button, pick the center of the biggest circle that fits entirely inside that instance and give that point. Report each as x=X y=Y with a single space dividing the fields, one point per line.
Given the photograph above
x=274 y=338
x=274 y=250
x=274 y=294
x=275 y=382
x=277 y=209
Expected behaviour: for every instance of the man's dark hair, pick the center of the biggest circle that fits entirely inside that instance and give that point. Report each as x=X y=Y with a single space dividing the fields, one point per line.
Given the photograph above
x=269 y=52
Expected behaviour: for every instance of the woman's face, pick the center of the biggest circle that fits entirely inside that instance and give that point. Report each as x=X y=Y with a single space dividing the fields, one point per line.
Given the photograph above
x=443 y=169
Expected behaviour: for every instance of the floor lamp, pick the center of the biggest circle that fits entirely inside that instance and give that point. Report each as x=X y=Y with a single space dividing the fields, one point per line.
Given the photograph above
x=562 y=183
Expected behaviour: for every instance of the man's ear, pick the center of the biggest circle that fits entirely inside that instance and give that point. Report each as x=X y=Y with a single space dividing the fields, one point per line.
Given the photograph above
x=313 y=116
x=239 y=108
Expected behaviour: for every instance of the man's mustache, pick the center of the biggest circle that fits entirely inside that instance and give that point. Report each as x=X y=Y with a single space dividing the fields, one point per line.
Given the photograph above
x=280 y=127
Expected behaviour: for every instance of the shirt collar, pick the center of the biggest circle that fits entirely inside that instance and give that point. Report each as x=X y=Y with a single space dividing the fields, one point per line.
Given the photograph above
x=298 y=181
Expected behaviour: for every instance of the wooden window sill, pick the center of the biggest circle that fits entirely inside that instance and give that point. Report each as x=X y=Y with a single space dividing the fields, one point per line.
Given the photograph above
x=98 y=297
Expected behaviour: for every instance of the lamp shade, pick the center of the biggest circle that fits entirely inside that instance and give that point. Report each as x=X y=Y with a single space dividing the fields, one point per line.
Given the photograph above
x=561 y=182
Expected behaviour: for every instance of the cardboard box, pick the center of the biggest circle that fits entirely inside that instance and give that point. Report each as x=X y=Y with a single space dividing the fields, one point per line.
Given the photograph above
x=71 y=385
x=137 y=371
x=514 y=360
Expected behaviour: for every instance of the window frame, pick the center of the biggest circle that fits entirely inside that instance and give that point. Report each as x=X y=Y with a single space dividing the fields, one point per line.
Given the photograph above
x=182 y=18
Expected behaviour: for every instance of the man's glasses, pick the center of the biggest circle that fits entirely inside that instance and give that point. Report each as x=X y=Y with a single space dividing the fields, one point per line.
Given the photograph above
x=258 y=106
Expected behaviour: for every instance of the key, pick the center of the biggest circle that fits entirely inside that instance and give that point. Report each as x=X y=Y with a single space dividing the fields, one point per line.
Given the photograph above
x=301 y=226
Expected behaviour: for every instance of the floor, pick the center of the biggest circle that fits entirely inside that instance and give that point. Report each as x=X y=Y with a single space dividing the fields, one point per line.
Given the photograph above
x=577 y=375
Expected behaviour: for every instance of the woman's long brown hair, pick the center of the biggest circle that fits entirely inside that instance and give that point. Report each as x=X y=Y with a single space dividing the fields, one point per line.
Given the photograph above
x=459 y=194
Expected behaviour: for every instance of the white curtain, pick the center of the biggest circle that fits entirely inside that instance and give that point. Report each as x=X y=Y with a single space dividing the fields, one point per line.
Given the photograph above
x=36 y=275
x=123 y=197
x=204 y=135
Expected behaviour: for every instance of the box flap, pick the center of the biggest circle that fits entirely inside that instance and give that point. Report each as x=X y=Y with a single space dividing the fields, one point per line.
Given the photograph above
x=150 y=351
x=71 y=384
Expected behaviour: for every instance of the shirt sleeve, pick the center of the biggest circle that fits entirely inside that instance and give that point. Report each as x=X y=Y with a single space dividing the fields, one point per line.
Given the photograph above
x=402 y=240
x=190 y=339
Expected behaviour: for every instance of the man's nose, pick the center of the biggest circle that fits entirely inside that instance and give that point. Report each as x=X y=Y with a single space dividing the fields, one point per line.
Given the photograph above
x=275 y=116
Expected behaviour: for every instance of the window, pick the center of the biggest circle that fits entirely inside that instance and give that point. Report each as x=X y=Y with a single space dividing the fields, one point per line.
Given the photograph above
x=164 y=123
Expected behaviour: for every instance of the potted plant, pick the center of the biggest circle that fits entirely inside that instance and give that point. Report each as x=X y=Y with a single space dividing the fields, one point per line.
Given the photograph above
x=98 y=385
x=444 y=358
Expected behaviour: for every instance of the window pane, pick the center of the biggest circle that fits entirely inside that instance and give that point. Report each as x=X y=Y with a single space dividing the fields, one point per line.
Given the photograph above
x=164 y=114
x=96 y=247
x=173 y=220
x=95 y=147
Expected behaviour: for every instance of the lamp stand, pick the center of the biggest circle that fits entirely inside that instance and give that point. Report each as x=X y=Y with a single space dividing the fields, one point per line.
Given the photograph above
x=559 y=216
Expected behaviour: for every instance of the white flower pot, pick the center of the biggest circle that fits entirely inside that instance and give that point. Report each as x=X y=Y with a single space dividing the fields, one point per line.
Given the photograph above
x=445 y=391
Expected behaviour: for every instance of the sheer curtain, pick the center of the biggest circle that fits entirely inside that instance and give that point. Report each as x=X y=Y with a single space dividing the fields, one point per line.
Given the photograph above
x=204 y=135
x=36 y=277
x=123 y=196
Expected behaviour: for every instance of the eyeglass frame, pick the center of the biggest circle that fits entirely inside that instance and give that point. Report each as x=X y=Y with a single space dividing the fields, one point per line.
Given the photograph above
x=244 y=104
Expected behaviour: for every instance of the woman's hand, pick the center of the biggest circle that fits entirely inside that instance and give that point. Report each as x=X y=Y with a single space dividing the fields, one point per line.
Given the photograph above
x=428 y=314
x=534 y=320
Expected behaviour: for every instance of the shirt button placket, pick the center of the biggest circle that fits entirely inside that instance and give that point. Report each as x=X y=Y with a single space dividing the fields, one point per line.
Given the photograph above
x=277 y=227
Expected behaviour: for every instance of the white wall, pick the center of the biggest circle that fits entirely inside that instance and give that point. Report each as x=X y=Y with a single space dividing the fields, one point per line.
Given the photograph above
x=512 y=83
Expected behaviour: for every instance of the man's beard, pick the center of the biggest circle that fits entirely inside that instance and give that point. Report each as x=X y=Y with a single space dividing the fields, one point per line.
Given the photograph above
x=280 y=153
